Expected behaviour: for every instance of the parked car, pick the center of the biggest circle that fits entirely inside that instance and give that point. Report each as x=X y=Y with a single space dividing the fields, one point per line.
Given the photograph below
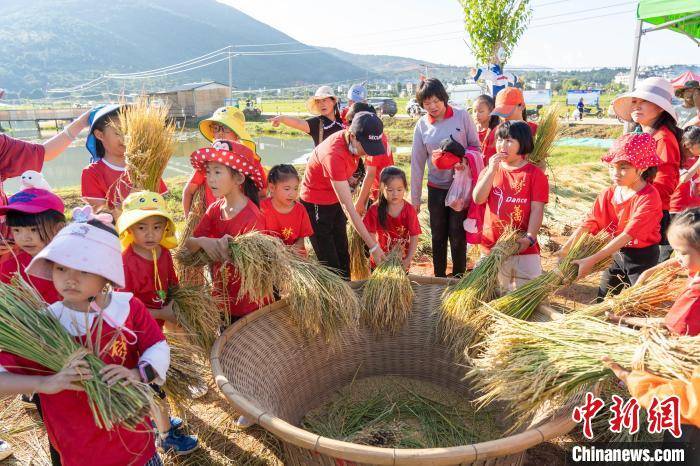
x=384 y=105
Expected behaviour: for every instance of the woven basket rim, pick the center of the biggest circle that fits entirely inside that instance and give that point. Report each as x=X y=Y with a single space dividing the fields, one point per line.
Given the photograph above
x=557 y=426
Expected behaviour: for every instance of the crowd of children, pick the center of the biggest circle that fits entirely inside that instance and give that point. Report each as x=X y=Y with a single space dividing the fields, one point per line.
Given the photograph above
x=107 y=273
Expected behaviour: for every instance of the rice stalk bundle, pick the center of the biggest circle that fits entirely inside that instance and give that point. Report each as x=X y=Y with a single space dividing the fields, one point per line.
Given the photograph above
x=359 y=262
x=149 y=140
x=192 y=275
x=35 y=334
x=649 y=299
x=425 y=239
x=320 y=302
x=187 y=373
x=523 y=302
x=197 y=313
x=387 y=297
x=530 y=364
x=479 y=286
x=548 y=131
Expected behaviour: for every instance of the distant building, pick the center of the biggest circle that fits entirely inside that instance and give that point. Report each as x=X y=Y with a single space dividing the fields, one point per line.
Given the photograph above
x=194 y=100
x=622 y=78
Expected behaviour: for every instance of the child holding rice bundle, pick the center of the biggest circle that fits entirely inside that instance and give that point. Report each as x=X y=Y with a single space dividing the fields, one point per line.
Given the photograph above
x=630 y=210
x=515 y=192
x=284 y=216
x=147 y=233
x=82 y=261
x=393 y=220
x=104 y=183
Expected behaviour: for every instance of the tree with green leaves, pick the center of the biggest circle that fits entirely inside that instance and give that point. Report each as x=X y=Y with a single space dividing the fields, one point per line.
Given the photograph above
x=493 y=25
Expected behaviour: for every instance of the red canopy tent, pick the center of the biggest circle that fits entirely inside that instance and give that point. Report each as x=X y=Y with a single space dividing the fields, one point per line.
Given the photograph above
x=683 y=78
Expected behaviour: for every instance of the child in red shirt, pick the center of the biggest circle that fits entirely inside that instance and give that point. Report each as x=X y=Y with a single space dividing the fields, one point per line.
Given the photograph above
x=284 y=216
x=34 y=216
x=392 y=219
x=104 y=183
x=147 y=233
x=486 y=125
x=630 y=211
x=687 y=193
x=515 y=192
x=82 y=260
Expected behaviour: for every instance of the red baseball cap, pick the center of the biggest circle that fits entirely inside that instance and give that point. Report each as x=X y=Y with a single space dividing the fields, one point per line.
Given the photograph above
x=638 y=149
x=33 y=201
x=445 y=160
x=506 y=101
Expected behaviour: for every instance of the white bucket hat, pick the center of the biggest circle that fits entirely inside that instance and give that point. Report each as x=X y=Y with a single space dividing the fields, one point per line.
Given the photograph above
x=655 y=90
x=83 y=247
x=321 y=93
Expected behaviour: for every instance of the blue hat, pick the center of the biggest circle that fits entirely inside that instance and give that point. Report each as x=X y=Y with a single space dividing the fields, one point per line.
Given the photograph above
x=96 y=115
x=357 y=93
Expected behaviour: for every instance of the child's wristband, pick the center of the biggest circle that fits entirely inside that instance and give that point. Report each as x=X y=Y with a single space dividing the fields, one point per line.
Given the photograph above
x=531 y=239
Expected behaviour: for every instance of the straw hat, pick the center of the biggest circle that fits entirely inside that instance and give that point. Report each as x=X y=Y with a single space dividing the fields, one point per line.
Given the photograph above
x=139 y=206
x=655 y=90
x=232 y=118
x=321 y=93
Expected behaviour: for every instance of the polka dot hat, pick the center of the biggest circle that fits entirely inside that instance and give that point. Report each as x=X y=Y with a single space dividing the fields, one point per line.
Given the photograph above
x=236 y=156
x=639 y=149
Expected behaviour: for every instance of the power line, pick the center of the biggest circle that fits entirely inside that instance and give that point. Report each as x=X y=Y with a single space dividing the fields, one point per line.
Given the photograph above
x=582 y=19
x=586 y=11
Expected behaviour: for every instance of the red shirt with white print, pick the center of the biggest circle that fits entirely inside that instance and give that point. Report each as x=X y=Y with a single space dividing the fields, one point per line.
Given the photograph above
x=140 y=277
x=684 y=316
x=380 y=162
x=397 y=229
x=213 y=225
x=638 y=216
x=330 y=161
x=686 y=195
x=666 y=179
x=16 y=265
x=510 y=200
x=103 y=180
x=128 y=334
x=288 y=227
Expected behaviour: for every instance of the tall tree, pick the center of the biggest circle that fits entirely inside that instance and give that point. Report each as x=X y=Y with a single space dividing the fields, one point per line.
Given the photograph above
x=495 y=24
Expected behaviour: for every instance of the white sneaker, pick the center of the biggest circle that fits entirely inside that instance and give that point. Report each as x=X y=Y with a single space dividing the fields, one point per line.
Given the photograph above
x=5 y=450
x=243 y=422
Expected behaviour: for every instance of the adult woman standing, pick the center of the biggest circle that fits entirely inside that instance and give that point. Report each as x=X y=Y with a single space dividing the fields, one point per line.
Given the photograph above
x=441 y=121
x=325 y=190
x=650 y=107
x=326 y=120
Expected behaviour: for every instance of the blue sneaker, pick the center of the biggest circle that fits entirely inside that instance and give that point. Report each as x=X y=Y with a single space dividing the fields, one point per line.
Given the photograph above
x=176 y=423
x=179 y=444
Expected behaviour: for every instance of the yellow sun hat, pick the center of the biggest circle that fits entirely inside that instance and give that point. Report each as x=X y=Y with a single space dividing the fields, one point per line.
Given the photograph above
x=138 y=206
x=234 y=119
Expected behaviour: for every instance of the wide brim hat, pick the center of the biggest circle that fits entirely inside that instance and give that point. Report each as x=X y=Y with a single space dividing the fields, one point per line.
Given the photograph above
x=637 y=149
x=322 y=92
x=692 y=84
x=82 y=247
x=655 y=90
x=95 y=116
x=239 y=158
x=139 y=206
x=234 y=119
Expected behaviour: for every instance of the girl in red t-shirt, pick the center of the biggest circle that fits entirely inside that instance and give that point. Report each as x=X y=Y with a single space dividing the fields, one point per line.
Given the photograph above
x=515 y=192
x=284 y=216
x=630 y=211
x=82 y=260
x=687 y=194
x=391 y=219
x=486 y=124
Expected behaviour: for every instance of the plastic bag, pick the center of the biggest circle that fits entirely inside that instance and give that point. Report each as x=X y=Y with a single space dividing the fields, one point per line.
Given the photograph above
x=459 y=194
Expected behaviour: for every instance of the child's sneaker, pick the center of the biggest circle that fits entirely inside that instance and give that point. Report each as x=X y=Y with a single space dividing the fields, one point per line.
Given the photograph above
x=176 y=423
x=178 y=444
x=5 y=450
x=243 y=422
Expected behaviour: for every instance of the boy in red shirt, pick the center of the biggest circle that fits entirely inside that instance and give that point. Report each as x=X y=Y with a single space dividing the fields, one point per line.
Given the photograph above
x=630 y=211
x=147 y=233
x=392 y=219
x=104 y=183
x=284 y=216
x=515 y=192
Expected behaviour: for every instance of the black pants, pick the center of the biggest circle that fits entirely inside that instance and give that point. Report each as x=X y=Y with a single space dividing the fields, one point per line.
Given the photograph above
x=628 y=264
x=446 y=224
x=665 y=249
x=330 y=239
x=690 y=436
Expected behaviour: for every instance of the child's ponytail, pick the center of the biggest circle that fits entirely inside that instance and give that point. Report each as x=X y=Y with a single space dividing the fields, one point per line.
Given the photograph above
x=687 y=226
x=251 y=191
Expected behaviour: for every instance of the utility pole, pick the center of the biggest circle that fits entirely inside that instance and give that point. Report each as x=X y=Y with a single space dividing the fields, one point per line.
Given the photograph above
x=230 y=74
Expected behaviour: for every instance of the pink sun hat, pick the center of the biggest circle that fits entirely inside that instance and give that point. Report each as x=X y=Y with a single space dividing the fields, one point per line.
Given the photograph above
x=33 y=201
x=639 y=149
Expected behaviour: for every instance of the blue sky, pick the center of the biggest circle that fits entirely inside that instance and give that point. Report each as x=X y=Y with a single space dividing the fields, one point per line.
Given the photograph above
x=562 y=33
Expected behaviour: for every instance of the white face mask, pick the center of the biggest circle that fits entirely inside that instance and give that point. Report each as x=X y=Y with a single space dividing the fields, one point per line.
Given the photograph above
x=351 y=147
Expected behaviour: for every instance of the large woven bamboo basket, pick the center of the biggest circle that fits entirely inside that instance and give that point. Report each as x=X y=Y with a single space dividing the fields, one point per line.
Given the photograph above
x=272 y=375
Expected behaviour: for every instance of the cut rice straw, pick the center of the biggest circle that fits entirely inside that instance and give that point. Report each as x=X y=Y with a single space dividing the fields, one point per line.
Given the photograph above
x=460 y=300
x=187 y=373
x=320 y=302
x=197 y=313
x=149 y=140
x=387 y=297
x=359 y=262
x=523 y=302
x=548 y=131
x=649 y=299
x=529 y=364
x=192 y=275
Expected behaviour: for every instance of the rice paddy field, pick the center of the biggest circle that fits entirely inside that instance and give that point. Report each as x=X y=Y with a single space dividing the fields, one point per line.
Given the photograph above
x=575 y=177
